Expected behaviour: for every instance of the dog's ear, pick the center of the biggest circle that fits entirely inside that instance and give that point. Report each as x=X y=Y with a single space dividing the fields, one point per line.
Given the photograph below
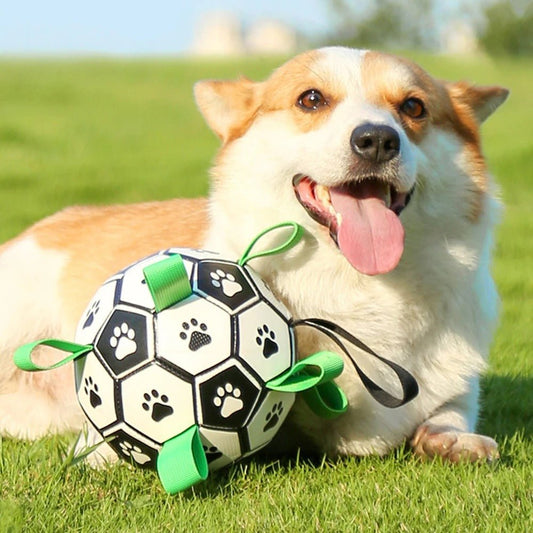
x=483 y=101
x=228 y=107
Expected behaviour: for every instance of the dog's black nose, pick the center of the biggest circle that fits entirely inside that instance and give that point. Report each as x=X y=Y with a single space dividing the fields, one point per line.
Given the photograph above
x=375 y=142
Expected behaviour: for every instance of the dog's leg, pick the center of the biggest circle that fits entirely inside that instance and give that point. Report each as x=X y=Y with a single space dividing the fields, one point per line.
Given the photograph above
x=33 y=404
x=449 y=433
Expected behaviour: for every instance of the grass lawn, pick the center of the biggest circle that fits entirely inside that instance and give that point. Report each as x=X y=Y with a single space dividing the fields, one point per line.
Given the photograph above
x=98 y=131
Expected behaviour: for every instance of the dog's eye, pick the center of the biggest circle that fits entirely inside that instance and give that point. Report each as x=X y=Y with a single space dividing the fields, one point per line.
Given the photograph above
x=413 y=107
x=311 y=100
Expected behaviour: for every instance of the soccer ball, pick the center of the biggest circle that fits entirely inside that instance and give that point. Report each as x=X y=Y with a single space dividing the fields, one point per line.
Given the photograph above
x=203 y=361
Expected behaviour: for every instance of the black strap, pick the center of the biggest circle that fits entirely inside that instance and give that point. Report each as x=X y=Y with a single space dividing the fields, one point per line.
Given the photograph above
x=407 y=381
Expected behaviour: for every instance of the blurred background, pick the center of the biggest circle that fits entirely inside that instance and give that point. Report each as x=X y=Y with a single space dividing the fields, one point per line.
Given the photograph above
x=237 y=27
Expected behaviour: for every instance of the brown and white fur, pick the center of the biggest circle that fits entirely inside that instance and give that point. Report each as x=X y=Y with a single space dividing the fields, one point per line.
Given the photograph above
x=433 y=313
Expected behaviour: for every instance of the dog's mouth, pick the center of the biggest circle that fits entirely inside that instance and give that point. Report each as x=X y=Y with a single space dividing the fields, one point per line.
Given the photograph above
x=362 y=217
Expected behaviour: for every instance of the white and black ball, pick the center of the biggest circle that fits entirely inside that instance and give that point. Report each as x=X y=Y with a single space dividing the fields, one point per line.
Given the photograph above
x=205 y=361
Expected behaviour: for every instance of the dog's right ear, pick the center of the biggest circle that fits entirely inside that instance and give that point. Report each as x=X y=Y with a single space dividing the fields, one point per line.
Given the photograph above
x=228 y=107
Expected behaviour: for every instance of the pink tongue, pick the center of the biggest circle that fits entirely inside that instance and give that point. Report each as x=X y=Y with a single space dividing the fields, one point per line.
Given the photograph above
x=370 y=236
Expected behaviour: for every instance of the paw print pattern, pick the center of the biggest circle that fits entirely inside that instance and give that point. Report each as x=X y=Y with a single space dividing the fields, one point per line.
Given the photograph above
x=196 y=333
x=225 y=281
x=91 y=389
x=122 y=341
x=228 y=400
x=266 y=338
x=91 y=314
x=212 y=453
x=157 y=405
x=273 y=416
x=133 y=451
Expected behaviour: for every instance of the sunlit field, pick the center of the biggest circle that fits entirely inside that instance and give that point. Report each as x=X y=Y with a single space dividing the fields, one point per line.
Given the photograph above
x=117 y=131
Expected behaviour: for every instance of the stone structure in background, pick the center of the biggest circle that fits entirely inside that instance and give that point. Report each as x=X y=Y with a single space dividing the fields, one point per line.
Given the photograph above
x=268 y=36
x=218 y=34
x=222 y=34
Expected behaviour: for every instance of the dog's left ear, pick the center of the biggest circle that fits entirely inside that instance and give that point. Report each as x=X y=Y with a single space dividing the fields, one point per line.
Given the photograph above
x=483 y=101
x=228 y=107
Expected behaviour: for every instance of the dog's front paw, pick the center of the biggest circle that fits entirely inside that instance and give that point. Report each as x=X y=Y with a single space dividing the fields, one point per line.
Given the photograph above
x=97 y=454
x=101 y=458
x=454 y=445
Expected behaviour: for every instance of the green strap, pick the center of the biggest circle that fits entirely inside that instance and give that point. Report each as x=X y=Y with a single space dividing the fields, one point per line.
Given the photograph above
x=313 y=376
x=326 y=400
x=168 y=281
x=293 y=239
x=23 y=354
x=182 y=462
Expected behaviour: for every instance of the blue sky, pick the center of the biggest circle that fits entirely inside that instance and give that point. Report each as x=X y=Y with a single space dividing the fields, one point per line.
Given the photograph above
x=133 y=27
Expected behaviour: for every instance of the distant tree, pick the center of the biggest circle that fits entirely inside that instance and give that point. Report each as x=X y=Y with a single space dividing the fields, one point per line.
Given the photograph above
x=509 y=28
x=503 y=26
x=385 y=23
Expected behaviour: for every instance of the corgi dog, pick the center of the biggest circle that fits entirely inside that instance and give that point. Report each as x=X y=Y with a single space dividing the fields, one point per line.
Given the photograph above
x=382 y=165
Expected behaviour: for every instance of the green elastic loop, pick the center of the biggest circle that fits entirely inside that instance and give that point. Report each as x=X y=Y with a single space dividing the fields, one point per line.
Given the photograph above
x=182 y=462
x=294 y=238
x=326 y=400
x=168 y=282
x=314 y=377
x=309 y=372
x=22 y=357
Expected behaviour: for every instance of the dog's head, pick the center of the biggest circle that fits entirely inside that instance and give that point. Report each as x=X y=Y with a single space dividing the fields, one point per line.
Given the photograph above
x=341 y=140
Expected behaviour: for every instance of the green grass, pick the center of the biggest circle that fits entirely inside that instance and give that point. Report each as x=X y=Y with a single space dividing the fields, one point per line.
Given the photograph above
x=119 y=131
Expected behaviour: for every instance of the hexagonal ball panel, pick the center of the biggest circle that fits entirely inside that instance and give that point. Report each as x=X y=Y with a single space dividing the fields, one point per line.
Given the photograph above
x=225 y=284
x=96 y=391
x=265 y=340
x=132 y=446
x=266 y=293
x=268 y=418
x=227 y=396
x=96 y=313
x=157 y=403
x=221 y=447
x=127 y=340
x=193 y=334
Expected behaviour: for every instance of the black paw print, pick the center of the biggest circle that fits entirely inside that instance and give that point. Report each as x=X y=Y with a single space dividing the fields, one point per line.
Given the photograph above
x=266 y=338
x=91 y=389
x=158 y=408
x=93 y=311
x=198 y=336
x=272 y=418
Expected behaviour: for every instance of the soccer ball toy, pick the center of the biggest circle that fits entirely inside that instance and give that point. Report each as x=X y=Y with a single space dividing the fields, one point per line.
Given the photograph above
x=185 y=361
x=203 y=361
